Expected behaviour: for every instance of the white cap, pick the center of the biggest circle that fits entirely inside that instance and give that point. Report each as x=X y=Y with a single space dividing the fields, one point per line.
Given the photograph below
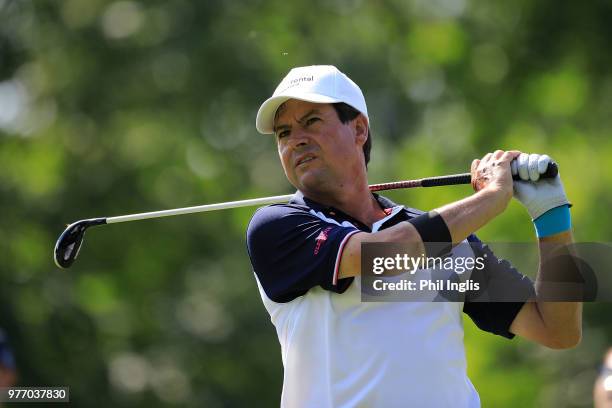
x=316 y=83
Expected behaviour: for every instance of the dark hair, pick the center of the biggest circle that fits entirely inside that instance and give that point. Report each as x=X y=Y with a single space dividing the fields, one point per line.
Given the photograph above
x=346 y=113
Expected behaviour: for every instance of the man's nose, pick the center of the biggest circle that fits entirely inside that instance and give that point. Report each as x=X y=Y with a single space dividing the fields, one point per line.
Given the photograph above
x=299 y=138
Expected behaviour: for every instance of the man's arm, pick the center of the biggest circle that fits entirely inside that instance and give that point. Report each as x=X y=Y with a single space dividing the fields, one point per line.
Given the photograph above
x=492 y=177
x=556 y=325
x=553 y=324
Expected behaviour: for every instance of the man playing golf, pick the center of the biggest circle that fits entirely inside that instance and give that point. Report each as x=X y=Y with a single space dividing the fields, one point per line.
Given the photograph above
x=338 y=351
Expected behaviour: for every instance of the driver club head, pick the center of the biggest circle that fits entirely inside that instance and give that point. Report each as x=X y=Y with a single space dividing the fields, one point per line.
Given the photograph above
x=69 y=243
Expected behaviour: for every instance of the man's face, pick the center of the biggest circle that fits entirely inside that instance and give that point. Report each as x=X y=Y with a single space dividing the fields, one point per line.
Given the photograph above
x=318 y=152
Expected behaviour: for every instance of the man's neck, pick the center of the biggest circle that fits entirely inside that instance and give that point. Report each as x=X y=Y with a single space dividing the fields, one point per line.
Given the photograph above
x=355 y=200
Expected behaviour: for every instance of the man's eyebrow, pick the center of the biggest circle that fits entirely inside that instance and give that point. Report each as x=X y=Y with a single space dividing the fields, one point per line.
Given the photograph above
x=279 y=127
x=311 y=112
x=300 y=120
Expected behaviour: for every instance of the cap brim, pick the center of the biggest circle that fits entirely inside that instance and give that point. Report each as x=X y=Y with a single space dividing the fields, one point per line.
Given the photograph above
x=267 y=110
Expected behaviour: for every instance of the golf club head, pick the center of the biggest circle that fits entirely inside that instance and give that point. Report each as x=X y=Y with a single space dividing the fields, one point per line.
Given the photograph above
x=69 y=243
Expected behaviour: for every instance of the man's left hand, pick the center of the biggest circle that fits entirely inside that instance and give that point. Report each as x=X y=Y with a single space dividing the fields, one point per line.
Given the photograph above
x=537 y=195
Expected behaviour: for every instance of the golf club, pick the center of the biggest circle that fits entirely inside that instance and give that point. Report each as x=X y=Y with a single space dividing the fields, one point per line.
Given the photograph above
x=69 y=242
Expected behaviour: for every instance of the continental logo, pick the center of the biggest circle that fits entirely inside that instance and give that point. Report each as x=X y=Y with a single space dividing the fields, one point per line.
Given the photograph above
x=298 y=81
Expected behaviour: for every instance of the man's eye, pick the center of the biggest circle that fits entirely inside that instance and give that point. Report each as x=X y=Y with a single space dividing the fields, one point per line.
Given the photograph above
x=282 y=134
x=310 y=121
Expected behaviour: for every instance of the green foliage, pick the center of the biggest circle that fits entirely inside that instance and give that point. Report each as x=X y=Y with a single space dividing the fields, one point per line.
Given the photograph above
x=109 y=108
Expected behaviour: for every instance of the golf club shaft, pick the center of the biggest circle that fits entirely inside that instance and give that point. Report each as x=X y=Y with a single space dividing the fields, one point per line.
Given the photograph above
x=453 y=179
x=70 y=241
x=426 y=182
x=200 y=208
x=444 y=180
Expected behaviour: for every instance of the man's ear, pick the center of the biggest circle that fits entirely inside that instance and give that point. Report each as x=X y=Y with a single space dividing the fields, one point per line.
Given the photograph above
x=360 y=125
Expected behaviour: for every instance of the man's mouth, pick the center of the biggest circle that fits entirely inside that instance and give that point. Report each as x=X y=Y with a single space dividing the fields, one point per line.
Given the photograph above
x=304 y=159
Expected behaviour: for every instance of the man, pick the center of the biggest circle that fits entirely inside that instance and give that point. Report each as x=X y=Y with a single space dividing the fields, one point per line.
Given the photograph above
x=336 y=350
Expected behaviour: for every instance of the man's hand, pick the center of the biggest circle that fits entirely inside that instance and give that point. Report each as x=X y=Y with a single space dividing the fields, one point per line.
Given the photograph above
x=538 y=196
x=493 y=173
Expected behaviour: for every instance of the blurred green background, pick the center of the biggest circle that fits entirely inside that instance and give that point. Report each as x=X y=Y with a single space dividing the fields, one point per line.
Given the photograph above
x=109 y=108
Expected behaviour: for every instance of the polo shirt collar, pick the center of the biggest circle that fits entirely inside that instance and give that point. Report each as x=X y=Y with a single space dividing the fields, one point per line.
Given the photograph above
x=389 y=207
x=299 y=199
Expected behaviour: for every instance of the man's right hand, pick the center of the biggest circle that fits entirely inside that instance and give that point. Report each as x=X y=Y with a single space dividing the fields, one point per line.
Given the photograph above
x=493 y=174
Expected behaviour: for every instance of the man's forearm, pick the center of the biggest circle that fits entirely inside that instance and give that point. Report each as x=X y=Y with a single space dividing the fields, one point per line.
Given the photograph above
x=468 y=215
x=555 y=324
x=462 y=218
x=559 y=279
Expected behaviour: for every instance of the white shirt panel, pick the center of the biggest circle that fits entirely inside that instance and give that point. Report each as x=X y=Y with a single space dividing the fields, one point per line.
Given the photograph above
x=338 y=351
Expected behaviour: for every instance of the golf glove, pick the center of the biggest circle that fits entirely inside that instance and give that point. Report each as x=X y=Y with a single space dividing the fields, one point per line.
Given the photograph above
x=538 y=196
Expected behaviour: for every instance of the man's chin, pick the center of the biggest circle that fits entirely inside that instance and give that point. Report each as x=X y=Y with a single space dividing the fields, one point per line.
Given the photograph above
x=312 y=181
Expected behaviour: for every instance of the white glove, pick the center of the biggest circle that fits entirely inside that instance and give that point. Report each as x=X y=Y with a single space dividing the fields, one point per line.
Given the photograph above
x=537 y=196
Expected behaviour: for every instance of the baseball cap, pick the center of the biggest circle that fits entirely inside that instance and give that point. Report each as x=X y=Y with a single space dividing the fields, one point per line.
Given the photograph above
x=315 y=83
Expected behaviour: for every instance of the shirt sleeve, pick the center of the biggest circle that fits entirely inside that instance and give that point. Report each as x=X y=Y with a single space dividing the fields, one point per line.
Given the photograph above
x=292 y=251
x=507 y=290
